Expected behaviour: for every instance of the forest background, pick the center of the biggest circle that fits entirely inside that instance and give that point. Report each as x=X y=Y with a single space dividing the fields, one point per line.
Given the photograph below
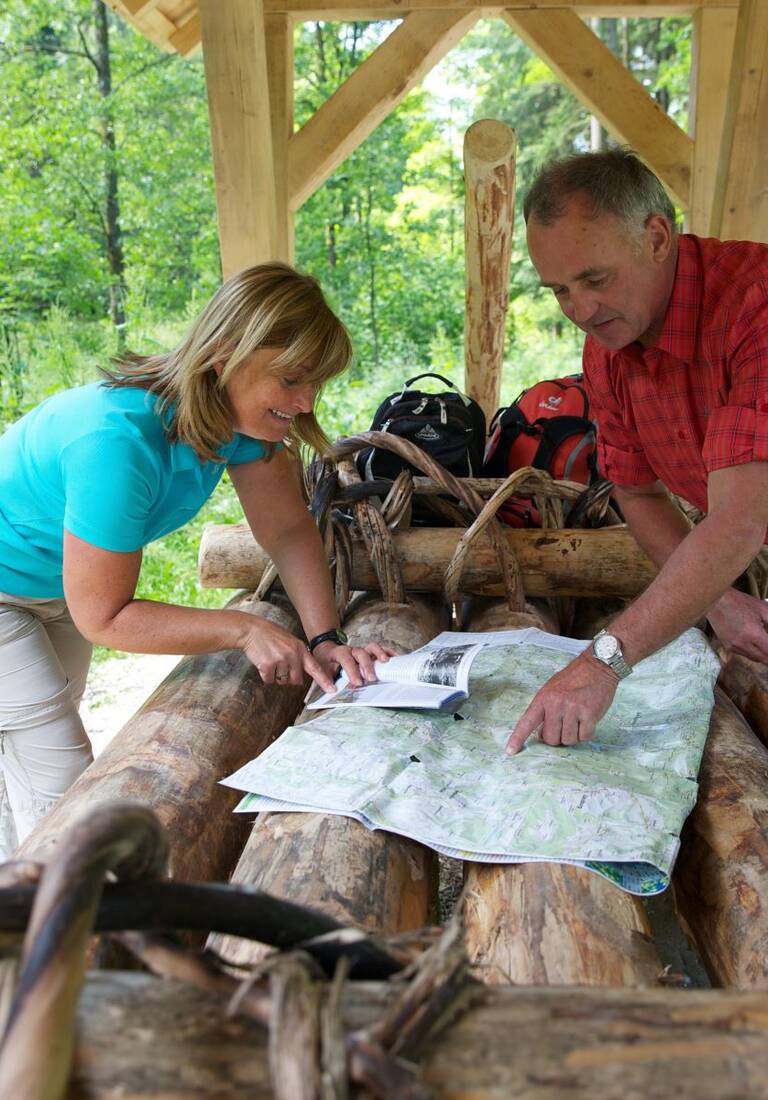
x=108 y=233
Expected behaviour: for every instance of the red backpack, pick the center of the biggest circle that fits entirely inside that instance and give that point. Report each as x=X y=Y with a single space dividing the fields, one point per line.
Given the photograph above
x=548 y=427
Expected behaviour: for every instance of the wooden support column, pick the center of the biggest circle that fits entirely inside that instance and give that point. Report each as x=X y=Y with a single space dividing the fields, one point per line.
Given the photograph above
x=279 y=31
x=740 y=205
x=369 y=95
x=235 y=59
x=610 y=92
x=714 y=30
x=489 y=206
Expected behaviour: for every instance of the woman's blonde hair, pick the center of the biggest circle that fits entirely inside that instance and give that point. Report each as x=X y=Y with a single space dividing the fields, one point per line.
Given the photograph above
x=267 y=306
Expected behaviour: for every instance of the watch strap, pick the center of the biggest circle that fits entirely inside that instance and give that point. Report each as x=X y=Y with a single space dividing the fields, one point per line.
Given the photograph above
x=335 y=635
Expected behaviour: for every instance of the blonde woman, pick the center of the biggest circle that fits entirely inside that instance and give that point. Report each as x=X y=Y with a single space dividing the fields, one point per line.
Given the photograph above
x=93 y=474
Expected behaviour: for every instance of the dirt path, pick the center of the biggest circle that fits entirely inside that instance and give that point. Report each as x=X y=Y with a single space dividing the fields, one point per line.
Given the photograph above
x=116 y=689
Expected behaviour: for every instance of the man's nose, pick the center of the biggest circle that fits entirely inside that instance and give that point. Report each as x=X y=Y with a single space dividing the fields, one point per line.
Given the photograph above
x=584 y=306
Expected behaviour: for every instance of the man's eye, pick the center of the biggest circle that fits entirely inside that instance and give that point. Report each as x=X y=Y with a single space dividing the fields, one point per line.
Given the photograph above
x=593 y=284
x=559 y=291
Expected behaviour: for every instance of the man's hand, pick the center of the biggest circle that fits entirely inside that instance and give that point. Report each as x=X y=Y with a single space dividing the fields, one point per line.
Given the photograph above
x=741 y=623
x=569 y=706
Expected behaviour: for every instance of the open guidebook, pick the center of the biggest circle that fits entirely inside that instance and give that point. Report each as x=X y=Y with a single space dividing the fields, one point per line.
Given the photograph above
x=435 y=677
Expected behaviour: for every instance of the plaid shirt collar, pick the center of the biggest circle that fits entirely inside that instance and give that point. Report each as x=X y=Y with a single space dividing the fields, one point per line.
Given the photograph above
x=677 y=339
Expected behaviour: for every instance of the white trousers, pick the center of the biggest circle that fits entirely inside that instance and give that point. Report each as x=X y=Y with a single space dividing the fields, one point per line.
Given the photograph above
x=43 y=744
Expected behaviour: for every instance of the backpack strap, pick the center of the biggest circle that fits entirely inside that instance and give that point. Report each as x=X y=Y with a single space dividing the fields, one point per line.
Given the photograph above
x=554 y=431
x=431 y=374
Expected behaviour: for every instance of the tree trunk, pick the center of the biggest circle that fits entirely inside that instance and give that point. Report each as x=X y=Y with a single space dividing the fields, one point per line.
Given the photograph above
x=113 y=236
x=604 y=562
x=148 y=1039
x=721 y=879
x=376 y=880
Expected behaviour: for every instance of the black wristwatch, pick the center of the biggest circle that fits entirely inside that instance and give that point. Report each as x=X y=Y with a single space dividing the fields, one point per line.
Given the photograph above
x=337 y=636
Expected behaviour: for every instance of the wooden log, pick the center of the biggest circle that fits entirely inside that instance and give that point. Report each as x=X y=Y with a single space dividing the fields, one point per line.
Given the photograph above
x=482 y=614
x=746 y=683
x=721 y=878
x=210 y=716
x=602 y=562
x=552 y=923
x=376 y=880
x=148 y=1039
x=489 y=208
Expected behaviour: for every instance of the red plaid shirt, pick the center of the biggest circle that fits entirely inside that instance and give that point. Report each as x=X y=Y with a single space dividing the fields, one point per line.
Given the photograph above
x=698 y=400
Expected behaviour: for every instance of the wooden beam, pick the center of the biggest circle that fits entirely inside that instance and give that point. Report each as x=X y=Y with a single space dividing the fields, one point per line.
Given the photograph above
x=713 y=37
x=368 y=96
x=395 y=9
x=740 y=205
x=279 y=31
x=235 y=59
x=186 y=39
x=610 y=92
x=489 y=208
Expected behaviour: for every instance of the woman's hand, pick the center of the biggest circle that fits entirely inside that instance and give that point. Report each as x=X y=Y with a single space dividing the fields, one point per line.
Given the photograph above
x=280 y=657
x=356 y=661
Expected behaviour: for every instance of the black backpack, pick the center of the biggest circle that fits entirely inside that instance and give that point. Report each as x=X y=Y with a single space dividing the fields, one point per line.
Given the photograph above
x=449 y=426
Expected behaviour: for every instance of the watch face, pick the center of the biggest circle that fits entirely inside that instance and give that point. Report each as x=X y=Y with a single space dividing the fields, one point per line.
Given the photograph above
x=606 y=647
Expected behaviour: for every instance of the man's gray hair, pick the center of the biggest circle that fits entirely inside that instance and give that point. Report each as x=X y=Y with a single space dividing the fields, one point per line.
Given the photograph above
x=613 y=182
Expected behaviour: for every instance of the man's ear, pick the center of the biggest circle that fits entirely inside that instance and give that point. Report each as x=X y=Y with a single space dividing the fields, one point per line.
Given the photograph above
x=659 y=235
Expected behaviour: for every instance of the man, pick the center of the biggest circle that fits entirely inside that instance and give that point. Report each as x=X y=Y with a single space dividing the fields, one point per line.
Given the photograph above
x=676 y=366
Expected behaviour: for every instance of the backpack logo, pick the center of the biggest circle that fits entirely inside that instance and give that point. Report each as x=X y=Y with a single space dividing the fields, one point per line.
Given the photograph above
x=551 y=402
x=427 y=432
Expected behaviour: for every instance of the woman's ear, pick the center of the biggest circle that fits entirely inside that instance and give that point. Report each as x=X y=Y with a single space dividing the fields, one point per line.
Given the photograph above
x=218 y=368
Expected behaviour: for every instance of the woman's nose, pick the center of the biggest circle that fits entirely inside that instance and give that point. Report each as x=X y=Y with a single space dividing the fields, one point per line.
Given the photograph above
x=305 y=398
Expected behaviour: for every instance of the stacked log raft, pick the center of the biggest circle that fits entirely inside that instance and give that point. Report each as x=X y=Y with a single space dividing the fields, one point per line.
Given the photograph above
x=209 y=717
x=375 y=880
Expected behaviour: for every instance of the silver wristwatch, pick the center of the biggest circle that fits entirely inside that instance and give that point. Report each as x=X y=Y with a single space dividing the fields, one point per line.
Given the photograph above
x=607 y=649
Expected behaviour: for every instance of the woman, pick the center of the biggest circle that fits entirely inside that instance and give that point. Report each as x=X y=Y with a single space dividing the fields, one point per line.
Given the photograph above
x=92 y=475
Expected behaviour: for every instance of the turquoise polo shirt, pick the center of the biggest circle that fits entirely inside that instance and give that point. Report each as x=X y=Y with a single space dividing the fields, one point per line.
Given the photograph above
x=96 y=462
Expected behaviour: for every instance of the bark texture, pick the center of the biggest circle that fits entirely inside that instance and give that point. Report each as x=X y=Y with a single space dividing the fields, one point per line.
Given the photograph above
x=209 y=717
x=159 y=1040
x=721 y=878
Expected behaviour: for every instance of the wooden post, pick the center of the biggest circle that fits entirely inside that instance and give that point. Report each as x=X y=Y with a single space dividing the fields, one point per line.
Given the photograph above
x=376 y=880
x=279 y=32
x=721 y=878
x=603 y=562
x=746 y=683
x=713 y=35
x=235 y=59
x=551 y=923
x=489 y=206
x=740 y=204
x=209 y=717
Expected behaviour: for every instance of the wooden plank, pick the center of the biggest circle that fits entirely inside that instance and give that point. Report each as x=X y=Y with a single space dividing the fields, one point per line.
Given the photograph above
x=740 y=205
x=610 y=92
x=144 y=1038
x=393 y=9
x=187 y=38
x=489 y=210
x=368 y=95
x=552 y=563
x=234 y=53
x=713 y=37
x=279 y=31
x=152 y=23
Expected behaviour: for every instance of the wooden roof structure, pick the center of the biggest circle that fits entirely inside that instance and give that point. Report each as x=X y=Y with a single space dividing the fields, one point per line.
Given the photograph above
x=717 y=172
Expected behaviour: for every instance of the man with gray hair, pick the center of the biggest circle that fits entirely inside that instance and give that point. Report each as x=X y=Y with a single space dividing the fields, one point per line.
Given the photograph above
x=676 y=366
